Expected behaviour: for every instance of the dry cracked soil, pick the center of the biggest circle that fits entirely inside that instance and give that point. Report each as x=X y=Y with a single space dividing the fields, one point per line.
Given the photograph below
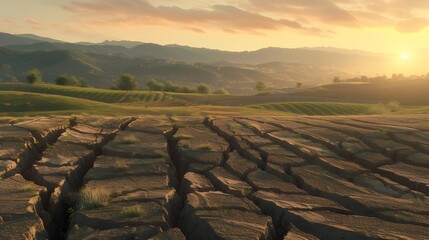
x=158 y=177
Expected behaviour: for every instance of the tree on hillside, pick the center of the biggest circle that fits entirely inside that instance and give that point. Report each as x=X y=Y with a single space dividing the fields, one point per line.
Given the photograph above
x=260 y=86
x=336 y=79
x=204 y=89
x=34 y=76
x=154 y=85
x=70 y=81
x=169 y=86
x=127 y=82
x=67 y=81
x=299 y=84
x=188 y=90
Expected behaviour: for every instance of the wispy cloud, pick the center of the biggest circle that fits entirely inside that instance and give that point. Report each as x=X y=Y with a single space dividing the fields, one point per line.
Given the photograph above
x=322 y=10
x=404 y=16
x=412 y=25
x=229 y=18
x=34 y=24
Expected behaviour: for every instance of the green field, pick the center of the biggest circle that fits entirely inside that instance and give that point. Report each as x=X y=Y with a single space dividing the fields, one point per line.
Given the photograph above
x=14 y=103
x=99 y=95
x=46 y=99
x=317 y=108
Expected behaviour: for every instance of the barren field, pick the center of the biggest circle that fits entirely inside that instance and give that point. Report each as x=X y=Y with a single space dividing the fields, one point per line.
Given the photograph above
x=141 y=177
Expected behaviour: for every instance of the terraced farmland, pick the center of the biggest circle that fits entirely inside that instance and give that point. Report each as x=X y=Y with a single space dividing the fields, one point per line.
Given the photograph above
x=157 y=177
x=99 y=95
x=317 y=108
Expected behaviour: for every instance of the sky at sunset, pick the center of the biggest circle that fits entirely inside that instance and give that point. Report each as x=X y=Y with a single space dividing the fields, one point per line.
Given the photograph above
x=394 y=26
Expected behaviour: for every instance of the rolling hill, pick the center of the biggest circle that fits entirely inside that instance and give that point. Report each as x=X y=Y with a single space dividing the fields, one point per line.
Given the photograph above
x=101 y=69
x=345 y=60
x=407 y=92
x=7 y=39
x=46 y=99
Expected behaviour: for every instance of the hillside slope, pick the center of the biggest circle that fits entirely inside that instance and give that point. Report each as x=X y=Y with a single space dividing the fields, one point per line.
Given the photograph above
x=101 y=70
x=346 y=60
x=7 y=39
x=408 y=92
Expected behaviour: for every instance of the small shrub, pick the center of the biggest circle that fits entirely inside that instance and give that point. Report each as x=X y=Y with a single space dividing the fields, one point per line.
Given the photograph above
x=70 y=213
x=127 y=82
x=154 y=85
x=72 y=121
x=133 y=211
x=418 y=200
x=246 y=192
x=71 y=81
x=34 y=76
x=93 y=198
x=203 y=89
x=260 y=86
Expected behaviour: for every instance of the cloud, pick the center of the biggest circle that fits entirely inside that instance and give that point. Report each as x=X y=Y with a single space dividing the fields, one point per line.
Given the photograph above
x=323 y=10
x=34 y=24
x=412 y=25
x=8 y=22
x=403 y=16
x=229 y=18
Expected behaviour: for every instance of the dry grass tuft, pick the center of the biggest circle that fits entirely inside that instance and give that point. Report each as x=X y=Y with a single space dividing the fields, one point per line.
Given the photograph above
x=133 y=211
x=93 y=198
x=121 y=165
x=28 y=188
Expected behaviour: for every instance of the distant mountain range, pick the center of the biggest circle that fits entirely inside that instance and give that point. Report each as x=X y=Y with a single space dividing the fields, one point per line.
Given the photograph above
x=101 y=63
x=346 y=60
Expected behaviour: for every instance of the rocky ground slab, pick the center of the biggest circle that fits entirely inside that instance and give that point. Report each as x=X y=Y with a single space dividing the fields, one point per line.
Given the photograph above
x=164 y=177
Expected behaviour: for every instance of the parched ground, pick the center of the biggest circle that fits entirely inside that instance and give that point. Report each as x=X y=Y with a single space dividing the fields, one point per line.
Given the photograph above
x=153 y=177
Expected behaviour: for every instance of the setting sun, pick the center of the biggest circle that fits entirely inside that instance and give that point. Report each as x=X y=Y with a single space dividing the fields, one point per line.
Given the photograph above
x=405 y=56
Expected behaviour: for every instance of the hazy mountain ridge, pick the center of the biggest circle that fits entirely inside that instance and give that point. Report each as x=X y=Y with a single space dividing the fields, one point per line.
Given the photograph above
x=101 y=70
x=346 y=60
x=101 y=63
x=7 y=39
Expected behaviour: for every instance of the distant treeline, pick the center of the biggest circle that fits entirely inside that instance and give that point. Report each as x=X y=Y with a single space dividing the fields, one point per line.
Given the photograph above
x=381 y=78
x=125 y=82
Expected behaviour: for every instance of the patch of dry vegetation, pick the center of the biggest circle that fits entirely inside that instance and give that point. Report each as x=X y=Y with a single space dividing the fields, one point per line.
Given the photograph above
x=121 y=165
x=129 y=140
x=93 y=198
x=133 y=211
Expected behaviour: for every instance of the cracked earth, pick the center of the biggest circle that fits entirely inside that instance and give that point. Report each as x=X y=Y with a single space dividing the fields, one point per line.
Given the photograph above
x=158 y=177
